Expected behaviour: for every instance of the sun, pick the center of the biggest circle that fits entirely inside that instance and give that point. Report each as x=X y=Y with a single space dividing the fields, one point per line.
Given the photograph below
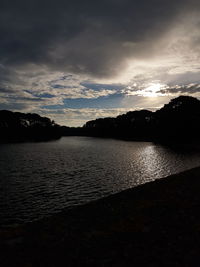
x=152 y=90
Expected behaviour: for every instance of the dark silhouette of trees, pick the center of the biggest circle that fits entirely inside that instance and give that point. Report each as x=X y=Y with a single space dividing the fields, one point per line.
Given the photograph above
x=177 y=121
x=16 y=126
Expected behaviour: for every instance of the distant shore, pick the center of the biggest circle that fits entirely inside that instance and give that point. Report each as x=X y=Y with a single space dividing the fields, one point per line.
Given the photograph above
x=155 y=224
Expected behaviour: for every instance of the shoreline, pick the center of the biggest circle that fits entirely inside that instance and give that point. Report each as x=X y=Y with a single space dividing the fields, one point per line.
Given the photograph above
x=154 y=224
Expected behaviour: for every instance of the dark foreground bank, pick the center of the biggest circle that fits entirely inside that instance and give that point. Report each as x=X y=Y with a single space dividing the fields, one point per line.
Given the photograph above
x=156 y=224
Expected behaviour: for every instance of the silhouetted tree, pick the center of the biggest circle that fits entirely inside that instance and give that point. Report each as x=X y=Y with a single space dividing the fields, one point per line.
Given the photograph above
x=177 y=121
x=16 y=126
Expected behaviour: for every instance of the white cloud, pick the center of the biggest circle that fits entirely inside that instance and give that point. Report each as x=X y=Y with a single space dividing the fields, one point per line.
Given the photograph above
x=78 y=117
x=171 y=61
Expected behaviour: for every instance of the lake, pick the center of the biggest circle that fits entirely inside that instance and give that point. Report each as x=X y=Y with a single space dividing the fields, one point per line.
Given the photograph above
x=40 y=179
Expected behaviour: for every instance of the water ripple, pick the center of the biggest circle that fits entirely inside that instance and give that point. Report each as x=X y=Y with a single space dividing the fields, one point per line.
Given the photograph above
x=39 y=179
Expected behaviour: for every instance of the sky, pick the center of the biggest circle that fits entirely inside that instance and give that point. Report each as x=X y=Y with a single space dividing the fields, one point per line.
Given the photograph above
x=75 y=61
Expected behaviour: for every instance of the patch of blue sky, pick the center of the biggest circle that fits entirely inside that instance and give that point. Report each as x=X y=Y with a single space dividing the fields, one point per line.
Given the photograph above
x=110 y=101
x=52 y=107
x=59 y=86
x=97 y=86
x=46 y=95
x=12 y=106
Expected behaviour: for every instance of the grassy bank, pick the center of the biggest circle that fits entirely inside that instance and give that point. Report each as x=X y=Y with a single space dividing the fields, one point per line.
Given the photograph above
x=156 y=224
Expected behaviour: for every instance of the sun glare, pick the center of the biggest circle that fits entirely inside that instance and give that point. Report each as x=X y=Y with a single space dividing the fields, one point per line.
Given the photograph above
x=152 y=90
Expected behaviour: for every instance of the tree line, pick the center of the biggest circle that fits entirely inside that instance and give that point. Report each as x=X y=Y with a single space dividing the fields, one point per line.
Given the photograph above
x=176 y=122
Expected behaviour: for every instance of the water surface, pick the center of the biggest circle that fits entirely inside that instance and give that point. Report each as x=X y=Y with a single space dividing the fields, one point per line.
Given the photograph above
x=39 y=179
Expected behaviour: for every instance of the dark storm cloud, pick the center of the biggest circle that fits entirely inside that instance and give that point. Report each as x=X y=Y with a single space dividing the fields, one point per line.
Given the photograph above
x=90 y=37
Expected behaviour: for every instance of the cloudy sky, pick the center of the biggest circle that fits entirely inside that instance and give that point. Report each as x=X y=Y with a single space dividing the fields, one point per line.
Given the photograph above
x=78 y=60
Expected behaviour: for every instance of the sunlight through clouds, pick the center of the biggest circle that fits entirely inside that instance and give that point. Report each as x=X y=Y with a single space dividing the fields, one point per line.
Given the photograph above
x=113 y=55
